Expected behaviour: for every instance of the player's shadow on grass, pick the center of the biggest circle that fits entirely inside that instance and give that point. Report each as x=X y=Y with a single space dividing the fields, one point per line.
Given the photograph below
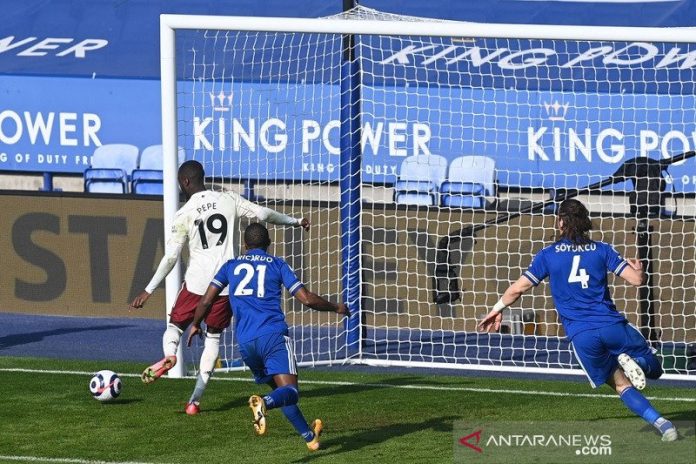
x=688 y=415
x=122 y=401
x=376 y=435
x=309 y=391
x=9 y=341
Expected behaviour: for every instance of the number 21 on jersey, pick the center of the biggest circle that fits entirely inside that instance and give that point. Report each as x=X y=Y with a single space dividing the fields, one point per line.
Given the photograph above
x=577 y=274
x=243 y=287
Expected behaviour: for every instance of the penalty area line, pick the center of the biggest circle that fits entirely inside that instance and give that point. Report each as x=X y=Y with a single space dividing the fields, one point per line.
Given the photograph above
x=381 y=385
x=63 y=460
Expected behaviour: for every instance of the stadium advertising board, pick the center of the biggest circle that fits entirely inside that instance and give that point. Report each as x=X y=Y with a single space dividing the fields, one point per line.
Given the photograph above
x=79 y=256
x=561 y=140
x=121 y=39
x=55 y=124
x=551 y=113
x=90 y=256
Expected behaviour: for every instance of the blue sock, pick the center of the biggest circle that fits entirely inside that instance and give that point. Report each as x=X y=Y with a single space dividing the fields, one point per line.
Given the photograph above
x=283 y=396
x=298 y=421
x=637 y=403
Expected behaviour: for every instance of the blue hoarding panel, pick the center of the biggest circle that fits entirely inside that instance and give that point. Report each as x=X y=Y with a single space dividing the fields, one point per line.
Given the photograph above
x=291 y=132
x=538 y=139
x=54 y=124
x=121 y=39
x=102 y=38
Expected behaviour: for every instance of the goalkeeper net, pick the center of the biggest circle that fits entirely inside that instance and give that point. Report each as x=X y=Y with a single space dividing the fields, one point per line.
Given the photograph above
x=429 y=164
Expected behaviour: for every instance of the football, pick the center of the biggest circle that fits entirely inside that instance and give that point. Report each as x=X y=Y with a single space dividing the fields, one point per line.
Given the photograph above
x=105 y=385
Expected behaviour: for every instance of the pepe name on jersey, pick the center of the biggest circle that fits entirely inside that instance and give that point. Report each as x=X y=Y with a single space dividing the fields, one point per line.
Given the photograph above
x=206 y=207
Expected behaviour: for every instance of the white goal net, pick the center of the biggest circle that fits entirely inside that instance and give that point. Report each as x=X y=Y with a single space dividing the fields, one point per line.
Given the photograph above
x=427 y=156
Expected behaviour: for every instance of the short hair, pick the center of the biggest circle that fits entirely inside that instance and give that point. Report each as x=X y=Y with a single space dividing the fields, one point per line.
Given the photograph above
x=192 y=170
x=256 y=236
x=576 y=221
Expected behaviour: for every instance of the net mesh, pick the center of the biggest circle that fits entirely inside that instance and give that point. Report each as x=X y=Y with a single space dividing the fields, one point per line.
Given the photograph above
x=455 y=132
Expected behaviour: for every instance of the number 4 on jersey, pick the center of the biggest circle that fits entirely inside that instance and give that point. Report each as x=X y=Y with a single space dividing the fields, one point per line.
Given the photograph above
x=577 y=274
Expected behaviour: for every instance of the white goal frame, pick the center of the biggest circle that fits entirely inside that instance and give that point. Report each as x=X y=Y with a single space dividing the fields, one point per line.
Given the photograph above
x=170 y=23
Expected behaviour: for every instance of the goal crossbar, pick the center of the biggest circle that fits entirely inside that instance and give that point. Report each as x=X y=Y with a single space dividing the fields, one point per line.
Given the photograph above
x=425 y=28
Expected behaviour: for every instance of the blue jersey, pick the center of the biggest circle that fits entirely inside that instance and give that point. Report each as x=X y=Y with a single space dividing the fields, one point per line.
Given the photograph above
x=578 y=278
x=256 y=280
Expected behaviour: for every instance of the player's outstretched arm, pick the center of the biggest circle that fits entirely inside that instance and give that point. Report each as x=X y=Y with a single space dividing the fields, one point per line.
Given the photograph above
x=314 y=301
x=202 y=309
x=175 y=245
x=633 y=273
x=492 y=321
x=252 y=210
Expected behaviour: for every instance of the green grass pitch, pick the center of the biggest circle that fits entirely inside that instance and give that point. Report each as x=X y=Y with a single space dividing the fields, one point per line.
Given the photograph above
x=368 y=418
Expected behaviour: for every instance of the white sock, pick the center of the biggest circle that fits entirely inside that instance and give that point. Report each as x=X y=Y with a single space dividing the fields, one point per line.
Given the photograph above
x=211 y=350
x=171 y=339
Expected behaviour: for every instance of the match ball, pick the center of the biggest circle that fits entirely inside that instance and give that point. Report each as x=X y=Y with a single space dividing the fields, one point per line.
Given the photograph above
x=105 y=385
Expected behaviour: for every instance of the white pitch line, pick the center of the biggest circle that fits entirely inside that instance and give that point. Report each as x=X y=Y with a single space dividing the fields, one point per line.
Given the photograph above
x=383 y=385
x=63 y=460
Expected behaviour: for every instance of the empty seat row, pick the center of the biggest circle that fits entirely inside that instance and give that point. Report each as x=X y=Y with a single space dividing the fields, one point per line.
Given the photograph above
x=428 y=180
x=121 y=168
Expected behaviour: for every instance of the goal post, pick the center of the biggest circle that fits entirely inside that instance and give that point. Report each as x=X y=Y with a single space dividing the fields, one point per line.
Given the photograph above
x=279 y=104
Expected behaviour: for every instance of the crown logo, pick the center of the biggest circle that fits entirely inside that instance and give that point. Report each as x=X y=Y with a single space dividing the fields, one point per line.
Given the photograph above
x=221 y=101
x=555 y=111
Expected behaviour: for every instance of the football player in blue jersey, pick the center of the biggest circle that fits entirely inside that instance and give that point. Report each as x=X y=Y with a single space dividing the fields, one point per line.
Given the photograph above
x=609 y=349
x=255 y=280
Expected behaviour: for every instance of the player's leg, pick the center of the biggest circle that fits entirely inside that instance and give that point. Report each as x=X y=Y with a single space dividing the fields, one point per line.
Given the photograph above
x=638 y=348
x=216 y=322
x=639 y=405
x=253 y=358
x=281 y=368
x=635 y=356
x=179 y=319
x=209 y=356
x=287 y=394
x=601 y=366
x=593 y=358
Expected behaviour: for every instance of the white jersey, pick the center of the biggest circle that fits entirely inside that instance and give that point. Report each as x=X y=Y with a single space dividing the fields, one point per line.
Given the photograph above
x=208 y=221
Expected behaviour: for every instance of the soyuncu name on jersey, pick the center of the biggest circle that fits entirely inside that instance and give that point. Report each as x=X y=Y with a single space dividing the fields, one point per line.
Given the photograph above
x=561 y=247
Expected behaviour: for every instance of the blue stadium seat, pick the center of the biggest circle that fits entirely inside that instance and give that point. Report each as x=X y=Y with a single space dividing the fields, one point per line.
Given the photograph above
x=151 y=157
x=111 y=167
x=148 y=179
x=470 y=180
x=147 y=182
x=463 y=195
x=419 y=180
x=105 y=180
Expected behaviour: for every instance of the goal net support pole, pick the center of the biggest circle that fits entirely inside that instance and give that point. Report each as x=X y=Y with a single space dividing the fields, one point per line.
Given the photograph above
x=351 y=201
x=170 y=168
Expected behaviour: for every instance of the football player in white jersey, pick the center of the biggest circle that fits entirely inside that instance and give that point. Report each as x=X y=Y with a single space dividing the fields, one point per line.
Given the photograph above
x=208 y=222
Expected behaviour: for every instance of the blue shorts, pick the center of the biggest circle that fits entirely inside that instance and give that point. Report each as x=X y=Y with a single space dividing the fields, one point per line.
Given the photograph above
x=269 y=355
x=597 y=350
